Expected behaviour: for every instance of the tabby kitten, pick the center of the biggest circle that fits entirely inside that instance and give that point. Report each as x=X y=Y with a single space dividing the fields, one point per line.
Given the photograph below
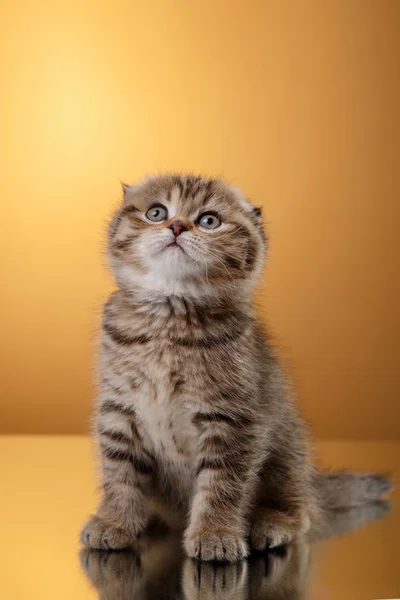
x=193 y=407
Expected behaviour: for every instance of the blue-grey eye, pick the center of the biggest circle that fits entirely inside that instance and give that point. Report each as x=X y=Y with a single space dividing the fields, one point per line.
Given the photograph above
x=157 y=214
x=209 y=221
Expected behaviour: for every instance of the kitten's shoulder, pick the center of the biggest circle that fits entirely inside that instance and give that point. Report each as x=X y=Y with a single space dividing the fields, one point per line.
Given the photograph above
x=117 y=305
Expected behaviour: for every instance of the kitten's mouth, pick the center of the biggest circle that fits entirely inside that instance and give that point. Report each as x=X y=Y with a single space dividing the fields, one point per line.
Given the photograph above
x=175 y=246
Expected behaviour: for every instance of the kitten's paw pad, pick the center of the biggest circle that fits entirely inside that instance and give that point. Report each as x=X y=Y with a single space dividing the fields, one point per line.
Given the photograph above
x=215 y=545
x=100 y=536
x=276 y=529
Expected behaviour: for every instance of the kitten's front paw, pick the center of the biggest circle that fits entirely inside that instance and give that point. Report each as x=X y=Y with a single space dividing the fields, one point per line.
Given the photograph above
x=99 y=535
x=274 y=528
x=215 y=544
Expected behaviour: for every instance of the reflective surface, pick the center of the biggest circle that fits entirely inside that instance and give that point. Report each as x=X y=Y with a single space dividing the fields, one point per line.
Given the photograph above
x=48 y=487
x=159 y=574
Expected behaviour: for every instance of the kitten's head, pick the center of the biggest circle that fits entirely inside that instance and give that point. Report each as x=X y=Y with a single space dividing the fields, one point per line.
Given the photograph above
x=185 y=235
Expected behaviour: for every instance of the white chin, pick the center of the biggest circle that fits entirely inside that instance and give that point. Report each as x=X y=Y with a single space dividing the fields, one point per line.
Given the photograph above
x=173 y=264
x=171 y=271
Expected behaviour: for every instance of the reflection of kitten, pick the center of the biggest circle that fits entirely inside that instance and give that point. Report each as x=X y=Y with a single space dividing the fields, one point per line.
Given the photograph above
x=192 y=403
x=155 y=569
x=157 y=573
x=151 y=574
x=263 y=576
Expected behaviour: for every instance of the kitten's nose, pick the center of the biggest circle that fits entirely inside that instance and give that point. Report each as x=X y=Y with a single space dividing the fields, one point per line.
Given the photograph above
x=177 y=227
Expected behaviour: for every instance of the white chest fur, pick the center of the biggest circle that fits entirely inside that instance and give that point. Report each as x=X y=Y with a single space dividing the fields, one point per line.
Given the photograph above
x=166 y=417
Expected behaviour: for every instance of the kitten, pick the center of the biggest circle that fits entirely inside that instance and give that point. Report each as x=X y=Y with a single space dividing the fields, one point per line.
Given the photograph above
x=193 y=407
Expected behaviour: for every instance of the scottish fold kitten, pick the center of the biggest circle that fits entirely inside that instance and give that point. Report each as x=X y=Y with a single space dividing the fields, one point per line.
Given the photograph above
x=193 y=410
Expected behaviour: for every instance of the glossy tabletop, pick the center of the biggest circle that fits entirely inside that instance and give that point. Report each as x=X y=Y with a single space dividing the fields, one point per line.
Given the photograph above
x=48 y=487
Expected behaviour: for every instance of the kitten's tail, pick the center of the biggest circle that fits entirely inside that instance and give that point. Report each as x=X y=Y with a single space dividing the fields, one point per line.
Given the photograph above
x=347 y=501
x=344 y=489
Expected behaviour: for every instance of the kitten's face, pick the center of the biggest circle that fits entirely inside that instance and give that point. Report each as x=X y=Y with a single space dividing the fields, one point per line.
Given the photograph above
x=178 y=233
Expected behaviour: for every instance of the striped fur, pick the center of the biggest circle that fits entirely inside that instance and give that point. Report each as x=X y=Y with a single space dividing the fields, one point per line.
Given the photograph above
x=193 y=406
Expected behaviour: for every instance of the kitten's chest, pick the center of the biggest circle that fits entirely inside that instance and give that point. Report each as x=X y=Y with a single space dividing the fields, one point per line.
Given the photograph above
x=164 y=404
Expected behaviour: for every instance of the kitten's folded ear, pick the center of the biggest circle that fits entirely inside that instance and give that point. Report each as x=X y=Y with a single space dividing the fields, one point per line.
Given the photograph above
x=257 y=218
x=255 y=214
x=125 y=187
x=126 y=190
x=130 y=191
x=254 y=211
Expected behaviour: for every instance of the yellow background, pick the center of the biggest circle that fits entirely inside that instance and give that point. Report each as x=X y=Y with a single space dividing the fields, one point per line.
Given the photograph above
x=295 y=101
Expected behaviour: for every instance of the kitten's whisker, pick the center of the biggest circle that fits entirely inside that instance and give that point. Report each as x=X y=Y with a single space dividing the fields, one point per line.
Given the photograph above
x=219 y=260
x=224 y=253
x=226 y=233
x=205 y=264
x=194 y=246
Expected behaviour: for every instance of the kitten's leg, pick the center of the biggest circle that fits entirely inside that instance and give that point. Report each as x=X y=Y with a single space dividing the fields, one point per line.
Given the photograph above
x=127 y=475
x=284 y=502
x=226 y=476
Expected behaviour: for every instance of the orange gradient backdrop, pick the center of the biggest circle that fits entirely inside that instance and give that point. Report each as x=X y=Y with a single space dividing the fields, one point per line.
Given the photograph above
x=296 y=102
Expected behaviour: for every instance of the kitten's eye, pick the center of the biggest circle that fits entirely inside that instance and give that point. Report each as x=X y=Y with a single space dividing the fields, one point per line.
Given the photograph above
x=157 y=214
x=209 y=221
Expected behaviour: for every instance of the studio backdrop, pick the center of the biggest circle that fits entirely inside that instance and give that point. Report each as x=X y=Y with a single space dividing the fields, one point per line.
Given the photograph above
x=295 y=102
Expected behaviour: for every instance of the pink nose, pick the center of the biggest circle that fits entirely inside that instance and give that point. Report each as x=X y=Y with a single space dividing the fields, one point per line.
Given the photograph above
x=177 y=227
